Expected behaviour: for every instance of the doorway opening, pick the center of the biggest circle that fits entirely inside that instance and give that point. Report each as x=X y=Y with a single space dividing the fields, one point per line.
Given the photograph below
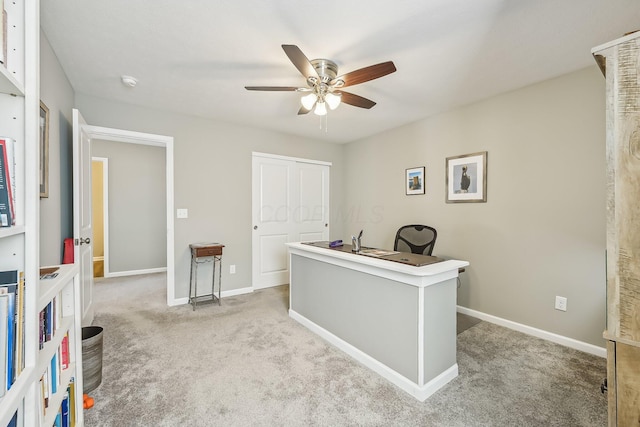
x=132 y=207
x=99 y=211
x=118 y=135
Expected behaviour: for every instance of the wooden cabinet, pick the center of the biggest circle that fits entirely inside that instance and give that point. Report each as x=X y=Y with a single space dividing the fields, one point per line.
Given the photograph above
x=619 y=61
x=627 y=374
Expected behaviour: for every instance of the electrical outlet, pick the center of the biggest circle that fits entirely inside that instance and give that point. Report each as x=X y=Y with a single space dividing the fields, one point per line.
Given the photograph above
x=232 y=269
x=561 y=303
x=183 y=213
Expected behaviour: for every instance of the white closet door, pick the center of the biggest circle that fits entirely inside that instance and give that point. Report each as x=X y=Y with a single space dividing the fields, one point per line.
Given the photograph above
x=311 y=215
x=290 y=204
x=272 y=221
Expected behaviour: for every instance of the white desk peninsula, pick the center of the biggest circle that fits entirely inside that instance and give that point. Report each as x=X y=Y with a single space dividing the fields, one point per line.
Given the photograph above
x=393 y=312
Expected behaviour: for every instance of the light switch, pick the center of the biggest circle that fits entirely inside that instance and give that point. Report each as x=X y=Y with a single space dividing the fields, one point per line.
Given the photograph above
x=183 y=213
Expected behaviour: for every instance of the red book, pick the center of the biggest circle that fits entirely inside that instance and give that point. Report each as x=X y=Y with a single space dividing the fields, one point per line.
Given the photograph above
x=64 y=347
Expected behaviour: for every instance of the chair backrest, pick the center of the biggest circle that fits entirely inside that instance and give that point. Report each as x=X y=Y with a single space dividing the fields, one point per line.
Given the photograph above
x=417 y=239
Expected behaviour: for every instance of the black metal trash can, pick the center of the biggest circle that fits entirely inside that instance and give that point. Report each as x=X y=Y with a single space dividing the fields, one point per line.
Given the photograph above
x=91 y=357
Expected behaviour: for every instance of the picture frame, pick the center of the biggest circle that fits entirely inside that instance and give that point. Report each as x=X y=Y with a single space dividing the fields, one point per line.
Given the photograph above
x=466 y=178
x=414 y=181
x=44 y=151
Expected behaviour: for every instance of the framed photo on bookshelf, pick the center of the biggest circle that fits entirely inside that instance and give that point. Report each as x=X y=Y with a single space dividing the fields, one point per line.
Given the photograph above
x=466 y=178
x=44 y=151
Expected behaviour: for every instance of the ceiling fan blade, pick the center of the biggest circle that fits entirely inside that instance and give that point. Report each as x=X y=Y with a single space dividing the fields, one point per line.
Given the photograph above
x=273 y=88
x=303 y=110
x=300 y=61
x=356 y=100
x=365 y=74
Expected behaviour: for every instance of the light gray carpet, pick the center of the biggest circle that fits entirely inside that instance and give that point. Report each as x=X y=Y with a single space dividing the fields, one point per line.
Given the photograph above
x=247 y=363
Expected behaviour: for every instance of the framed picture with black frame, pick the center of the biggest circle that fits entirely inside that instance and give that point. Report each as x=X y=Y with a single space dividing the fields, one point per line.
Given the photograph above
x=466 y=178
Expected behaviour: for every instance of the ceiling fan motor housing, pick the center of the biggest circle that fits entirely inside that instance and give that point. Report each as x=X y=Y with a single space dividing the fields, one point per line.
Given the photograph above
x=327 y=70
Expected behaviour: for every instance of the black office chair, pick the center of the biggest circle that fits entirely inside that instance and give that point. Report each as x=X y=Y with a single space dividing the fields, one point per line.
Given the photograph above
x=417 y=239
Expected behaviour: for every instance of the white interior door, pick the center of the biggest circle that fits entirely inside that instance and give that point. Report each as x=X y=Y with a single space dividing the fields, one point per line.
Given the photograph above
x=311 y=213
x=82 y=220
x=290 y=204
x=272 y=220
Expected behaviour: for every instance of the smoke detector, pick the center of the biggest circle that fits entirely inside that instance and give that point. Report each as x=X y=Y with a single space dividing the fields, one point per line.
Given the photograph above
x=129 y=81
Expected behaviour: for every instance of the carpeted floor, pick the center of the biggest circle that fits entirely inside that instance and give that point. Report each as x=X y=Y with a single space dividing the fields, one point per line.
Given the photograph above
x=247 y=363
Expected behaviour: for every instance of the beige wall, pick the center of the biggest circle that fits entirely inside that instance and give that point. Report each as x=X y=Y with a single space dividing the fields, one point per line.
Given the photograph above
x=212 y=162
x=541 y=232
x=56 y=210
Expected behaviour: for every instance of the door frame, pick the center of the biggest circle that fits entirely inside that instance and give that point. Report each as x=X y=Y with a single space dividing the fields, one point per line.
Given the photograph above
x=166 y=142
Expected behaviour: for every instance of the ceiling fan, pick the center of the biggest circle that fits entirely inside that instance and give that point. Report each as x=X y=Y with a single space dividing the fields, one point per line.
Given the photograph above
x=324 y=86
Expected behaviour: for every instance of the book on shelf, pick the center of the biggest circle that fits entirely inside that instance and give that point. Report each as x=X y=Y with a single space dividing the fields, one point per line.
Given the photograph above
x=64 y=351
x=46 y=388
x=48 y=322
x=7 y=150
x=6 y=217
x=42 y=401
x=12 y=303
x=71 y=389
x=14 y=420
x=50 y=325
x=20 y=325
x=55 y=374
x=41 y=328
x=66 y=421
x=50 y=382
x=4 y=319
x=9 y=286
x=9 y=145
x=50 y=319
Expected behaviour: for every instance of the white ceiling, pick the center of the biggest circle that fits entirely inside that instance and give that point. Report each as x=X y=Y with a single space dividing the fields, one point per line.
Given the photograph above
x=196 y=56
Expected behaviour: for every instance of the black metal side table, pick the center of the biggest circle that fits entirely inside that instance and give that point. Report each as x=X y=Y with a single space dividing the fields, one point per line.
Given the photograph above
x=204 y=253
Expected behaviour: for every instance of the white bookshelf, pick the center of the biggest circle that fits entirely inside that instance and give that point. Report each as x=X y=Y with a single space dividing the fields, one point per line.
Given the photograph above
x=19 y=244
x=65 y=288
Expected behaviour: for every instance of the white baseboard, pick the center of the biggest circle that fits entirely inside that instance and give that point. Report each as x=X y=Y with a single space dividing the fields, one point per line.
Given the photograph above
x=178 y=301
x=419 y=392
x=539 y=333
x=234 y=292
x=135 y=272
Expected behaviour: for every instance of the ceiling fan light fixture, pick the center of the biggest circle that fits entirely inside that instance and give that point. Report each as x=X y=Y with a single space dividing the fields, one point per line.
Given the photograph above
x=321 y=109
x=308 y=101
x=332 y=100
